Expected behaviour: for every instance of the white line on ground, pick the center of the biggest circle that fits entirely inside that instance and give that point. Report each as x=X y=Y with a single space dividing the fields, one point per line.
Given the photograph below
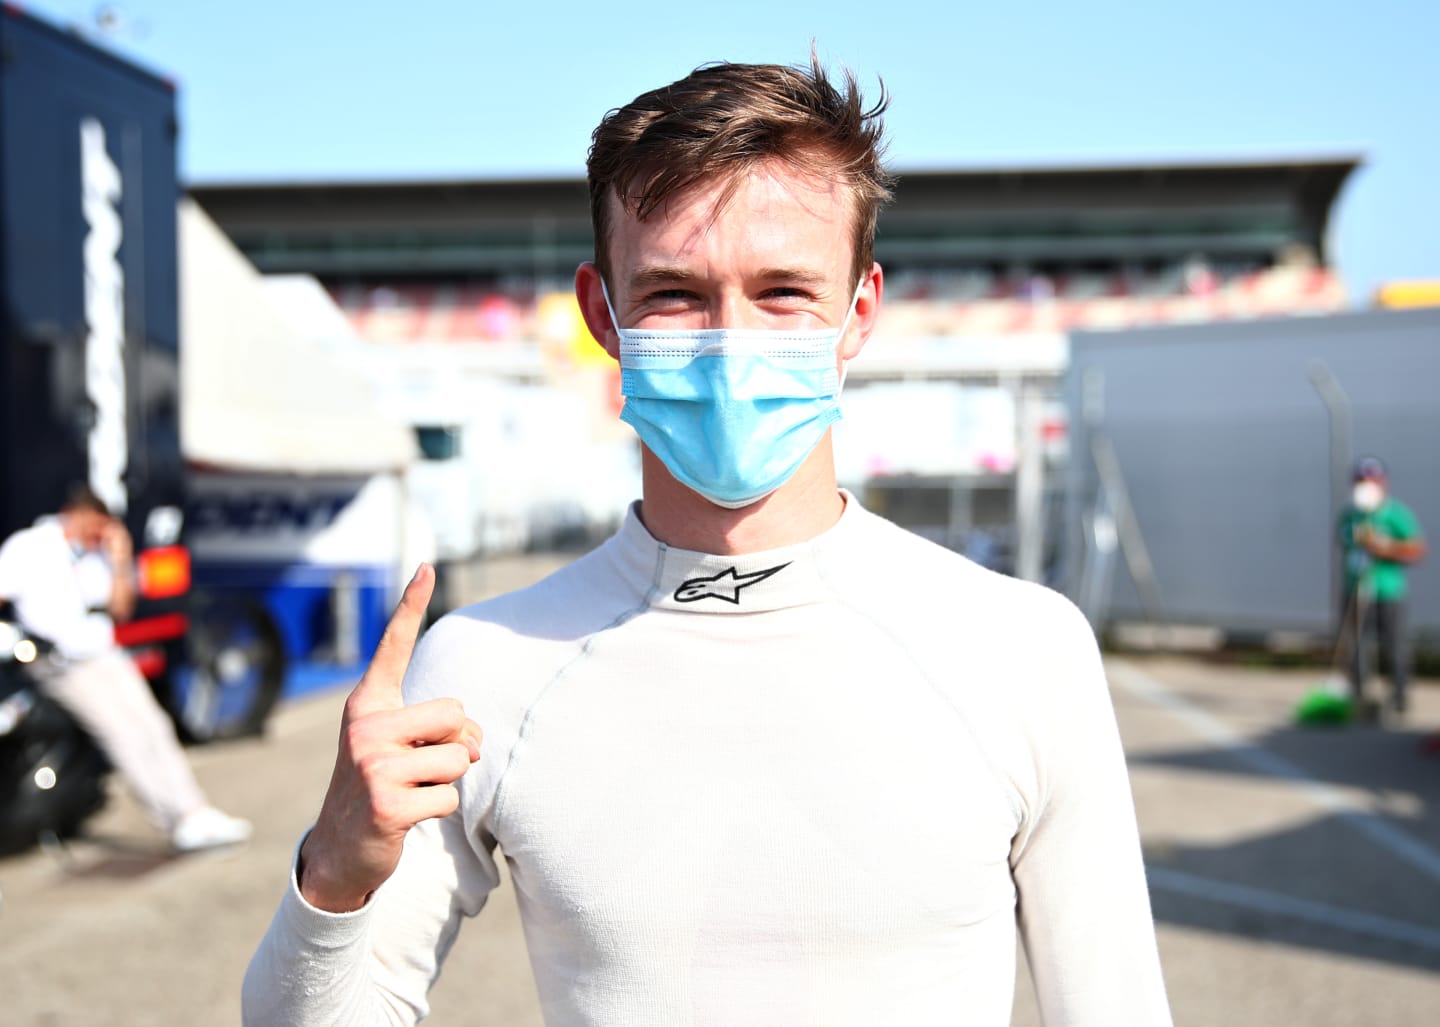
x=1245 y=751
x=1265 y=901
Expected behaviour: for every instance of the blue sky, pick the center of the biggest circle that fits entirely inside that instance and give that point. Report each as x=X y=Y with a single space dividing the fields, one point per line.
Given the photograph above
x=365 y=90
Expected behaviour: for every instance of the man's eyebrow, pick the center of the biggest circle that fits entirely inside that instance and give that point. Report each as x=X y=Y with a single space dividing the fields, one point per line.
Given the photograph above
x=665 y=274
x=659 y=274
x=802 y=275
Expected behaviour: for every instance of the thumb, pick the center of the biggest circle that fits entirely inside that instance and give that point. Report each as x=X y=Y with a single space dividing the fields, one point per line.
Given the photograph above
x=472 y=735
x=379 y=687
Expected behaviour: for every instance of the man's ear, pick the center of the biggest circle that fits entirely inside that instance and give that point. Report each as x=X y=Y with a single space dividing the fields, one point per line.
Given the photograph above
x=590 y=294
x=867 y=313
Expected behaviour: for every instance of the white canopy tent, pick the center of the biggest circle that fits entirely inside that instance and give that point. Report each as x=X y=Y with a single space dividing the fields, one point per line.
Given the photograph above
x=260 y=393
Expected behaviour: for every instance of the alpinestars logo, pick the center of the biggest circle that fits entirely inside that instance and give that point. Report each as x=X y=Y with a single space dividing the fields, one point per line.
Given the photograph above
x=726 y=585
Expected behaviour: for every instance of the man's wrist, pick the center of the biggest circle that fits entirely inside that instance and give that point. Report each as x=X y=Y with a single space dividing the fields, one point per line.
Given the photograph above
x=310 y=880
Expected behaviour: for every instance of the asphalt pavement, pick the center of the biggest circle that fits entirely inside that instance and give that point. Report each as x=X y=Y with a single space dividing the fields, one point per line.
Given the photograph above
x=1295 y=873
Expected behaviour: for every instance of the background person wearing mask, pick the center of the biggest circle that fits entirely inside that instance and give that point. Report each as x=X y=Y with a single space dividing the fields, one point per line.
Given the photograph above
x=70 y=578
x=1380 y=537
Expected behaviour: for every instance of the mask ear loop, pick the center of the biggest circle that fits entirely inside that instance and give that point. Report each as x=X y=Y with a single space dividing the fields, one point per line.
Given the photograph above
x=605 y=291
x=845 y=364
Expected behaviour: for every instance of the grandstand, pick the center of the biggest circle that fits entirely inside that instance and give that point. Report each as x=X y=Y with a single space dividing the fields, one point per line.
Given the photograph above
x=968 y=253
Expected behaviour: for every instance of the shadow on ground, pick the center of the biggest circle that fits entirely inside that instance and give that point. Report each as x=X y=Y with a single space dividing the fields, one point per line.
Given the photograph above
x=1381 y=761
x=1360 y=878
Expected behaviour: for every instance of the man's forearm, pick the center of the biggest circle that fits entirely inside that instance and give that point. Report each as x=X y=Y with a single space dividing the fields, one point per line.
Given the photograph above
x=122 y=593
x=1399 y=550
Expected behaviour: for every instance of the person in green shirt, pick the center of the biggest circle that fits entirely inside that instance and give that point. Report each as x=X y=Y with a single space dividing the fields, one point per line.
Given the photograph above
x=1380 y=538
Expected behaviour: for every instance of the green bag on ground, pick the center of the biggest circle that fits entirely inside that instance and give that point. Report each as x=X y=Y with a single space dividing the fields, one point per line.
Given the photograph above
x=1323 y=706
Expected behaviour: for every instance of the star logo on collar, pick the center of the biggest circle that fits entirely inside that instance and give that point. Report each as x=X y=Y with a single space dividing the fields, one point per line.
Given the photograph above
x=726 y=585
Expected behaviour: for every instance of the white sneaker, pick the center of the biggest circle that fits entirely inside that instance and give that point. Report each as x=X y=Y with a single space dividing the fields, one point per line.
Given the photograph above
x=208 y=828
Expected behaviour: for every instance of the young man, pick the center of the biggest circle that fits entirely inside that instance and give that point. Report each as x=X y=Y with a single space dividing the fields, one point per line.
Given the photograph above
x=1381 y=538
x=762 y=758
x=70 y=577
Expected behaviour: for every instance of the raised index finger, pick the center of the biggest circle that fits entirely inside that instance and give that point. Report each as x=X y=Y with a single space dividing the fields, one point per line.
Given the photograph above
x=379 y=688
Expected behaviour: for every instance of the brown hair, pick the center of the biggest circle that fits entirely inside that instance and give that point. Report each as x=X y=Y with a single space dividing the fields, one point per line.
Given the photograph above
x=723 y=119
x=80 y=496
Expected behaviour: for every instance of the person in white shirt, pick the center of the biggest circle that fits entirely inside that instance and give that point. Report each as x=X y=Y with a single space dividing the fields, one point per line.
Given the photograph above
x=70 y=577
x=762 y=757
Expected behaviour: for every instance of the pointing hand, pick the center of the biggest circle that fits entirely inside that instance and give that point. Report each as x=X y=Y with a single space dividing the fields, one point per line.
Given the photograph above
x=396 y=766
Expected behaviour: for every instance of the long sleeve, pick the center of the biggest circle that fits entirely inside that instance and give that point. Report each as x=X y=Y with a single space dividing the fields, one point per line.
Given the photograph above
x=375 y=965
x=50 y=590
x=1084 y=910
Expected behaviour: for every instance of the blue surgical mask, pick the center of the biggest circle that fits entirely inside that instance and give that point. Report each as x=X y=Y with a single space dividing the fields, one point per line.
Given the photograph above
x=731 y=412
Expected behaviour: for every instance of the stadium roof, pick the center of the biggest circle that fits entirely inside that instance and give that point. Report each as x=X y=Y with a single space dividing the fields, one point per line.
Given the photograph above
x=1239 y=212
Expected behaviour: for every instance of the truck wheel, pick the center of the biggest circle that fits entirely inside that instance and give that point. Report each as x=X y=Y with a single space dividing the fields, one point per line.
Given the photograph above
x=234 y=672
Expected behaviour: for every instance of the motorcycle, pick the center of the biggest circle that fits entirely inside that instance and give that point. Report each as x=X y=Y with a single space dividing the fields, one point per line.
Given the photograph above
x=52 y=775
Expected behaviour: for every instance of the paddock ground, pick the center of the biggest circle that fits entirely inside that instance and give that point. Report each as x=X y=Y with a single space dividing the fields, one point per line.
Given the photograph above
x=1295 y=874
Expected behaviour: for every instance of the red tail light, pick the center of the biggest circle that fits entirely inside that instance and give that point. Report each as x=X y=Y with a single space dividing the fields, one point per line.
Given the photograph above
x=150 y=630
x=150 y=662
x=164 y=572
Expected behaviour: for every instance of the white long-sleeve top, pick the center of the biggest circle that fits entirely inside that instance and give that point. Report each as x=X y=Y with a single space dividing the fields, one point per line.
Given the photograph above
x=816 y=785
x=59 y=594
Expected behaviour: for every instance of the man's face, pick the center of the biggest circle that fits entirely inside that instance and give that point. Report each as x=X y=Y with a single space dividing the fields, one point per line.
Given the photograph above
x=777 y=255
x=1368 y=493
x=87 y=528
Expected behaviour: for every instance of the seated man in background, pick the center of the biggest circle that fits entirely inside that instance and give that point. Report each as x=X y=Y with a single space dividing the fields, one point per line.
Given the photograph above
x=70 y=578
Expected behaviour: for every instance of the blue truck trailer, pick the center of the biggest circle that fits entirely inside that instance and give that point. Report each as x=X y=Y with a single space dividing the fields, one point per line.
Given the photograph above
x=89 y=366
